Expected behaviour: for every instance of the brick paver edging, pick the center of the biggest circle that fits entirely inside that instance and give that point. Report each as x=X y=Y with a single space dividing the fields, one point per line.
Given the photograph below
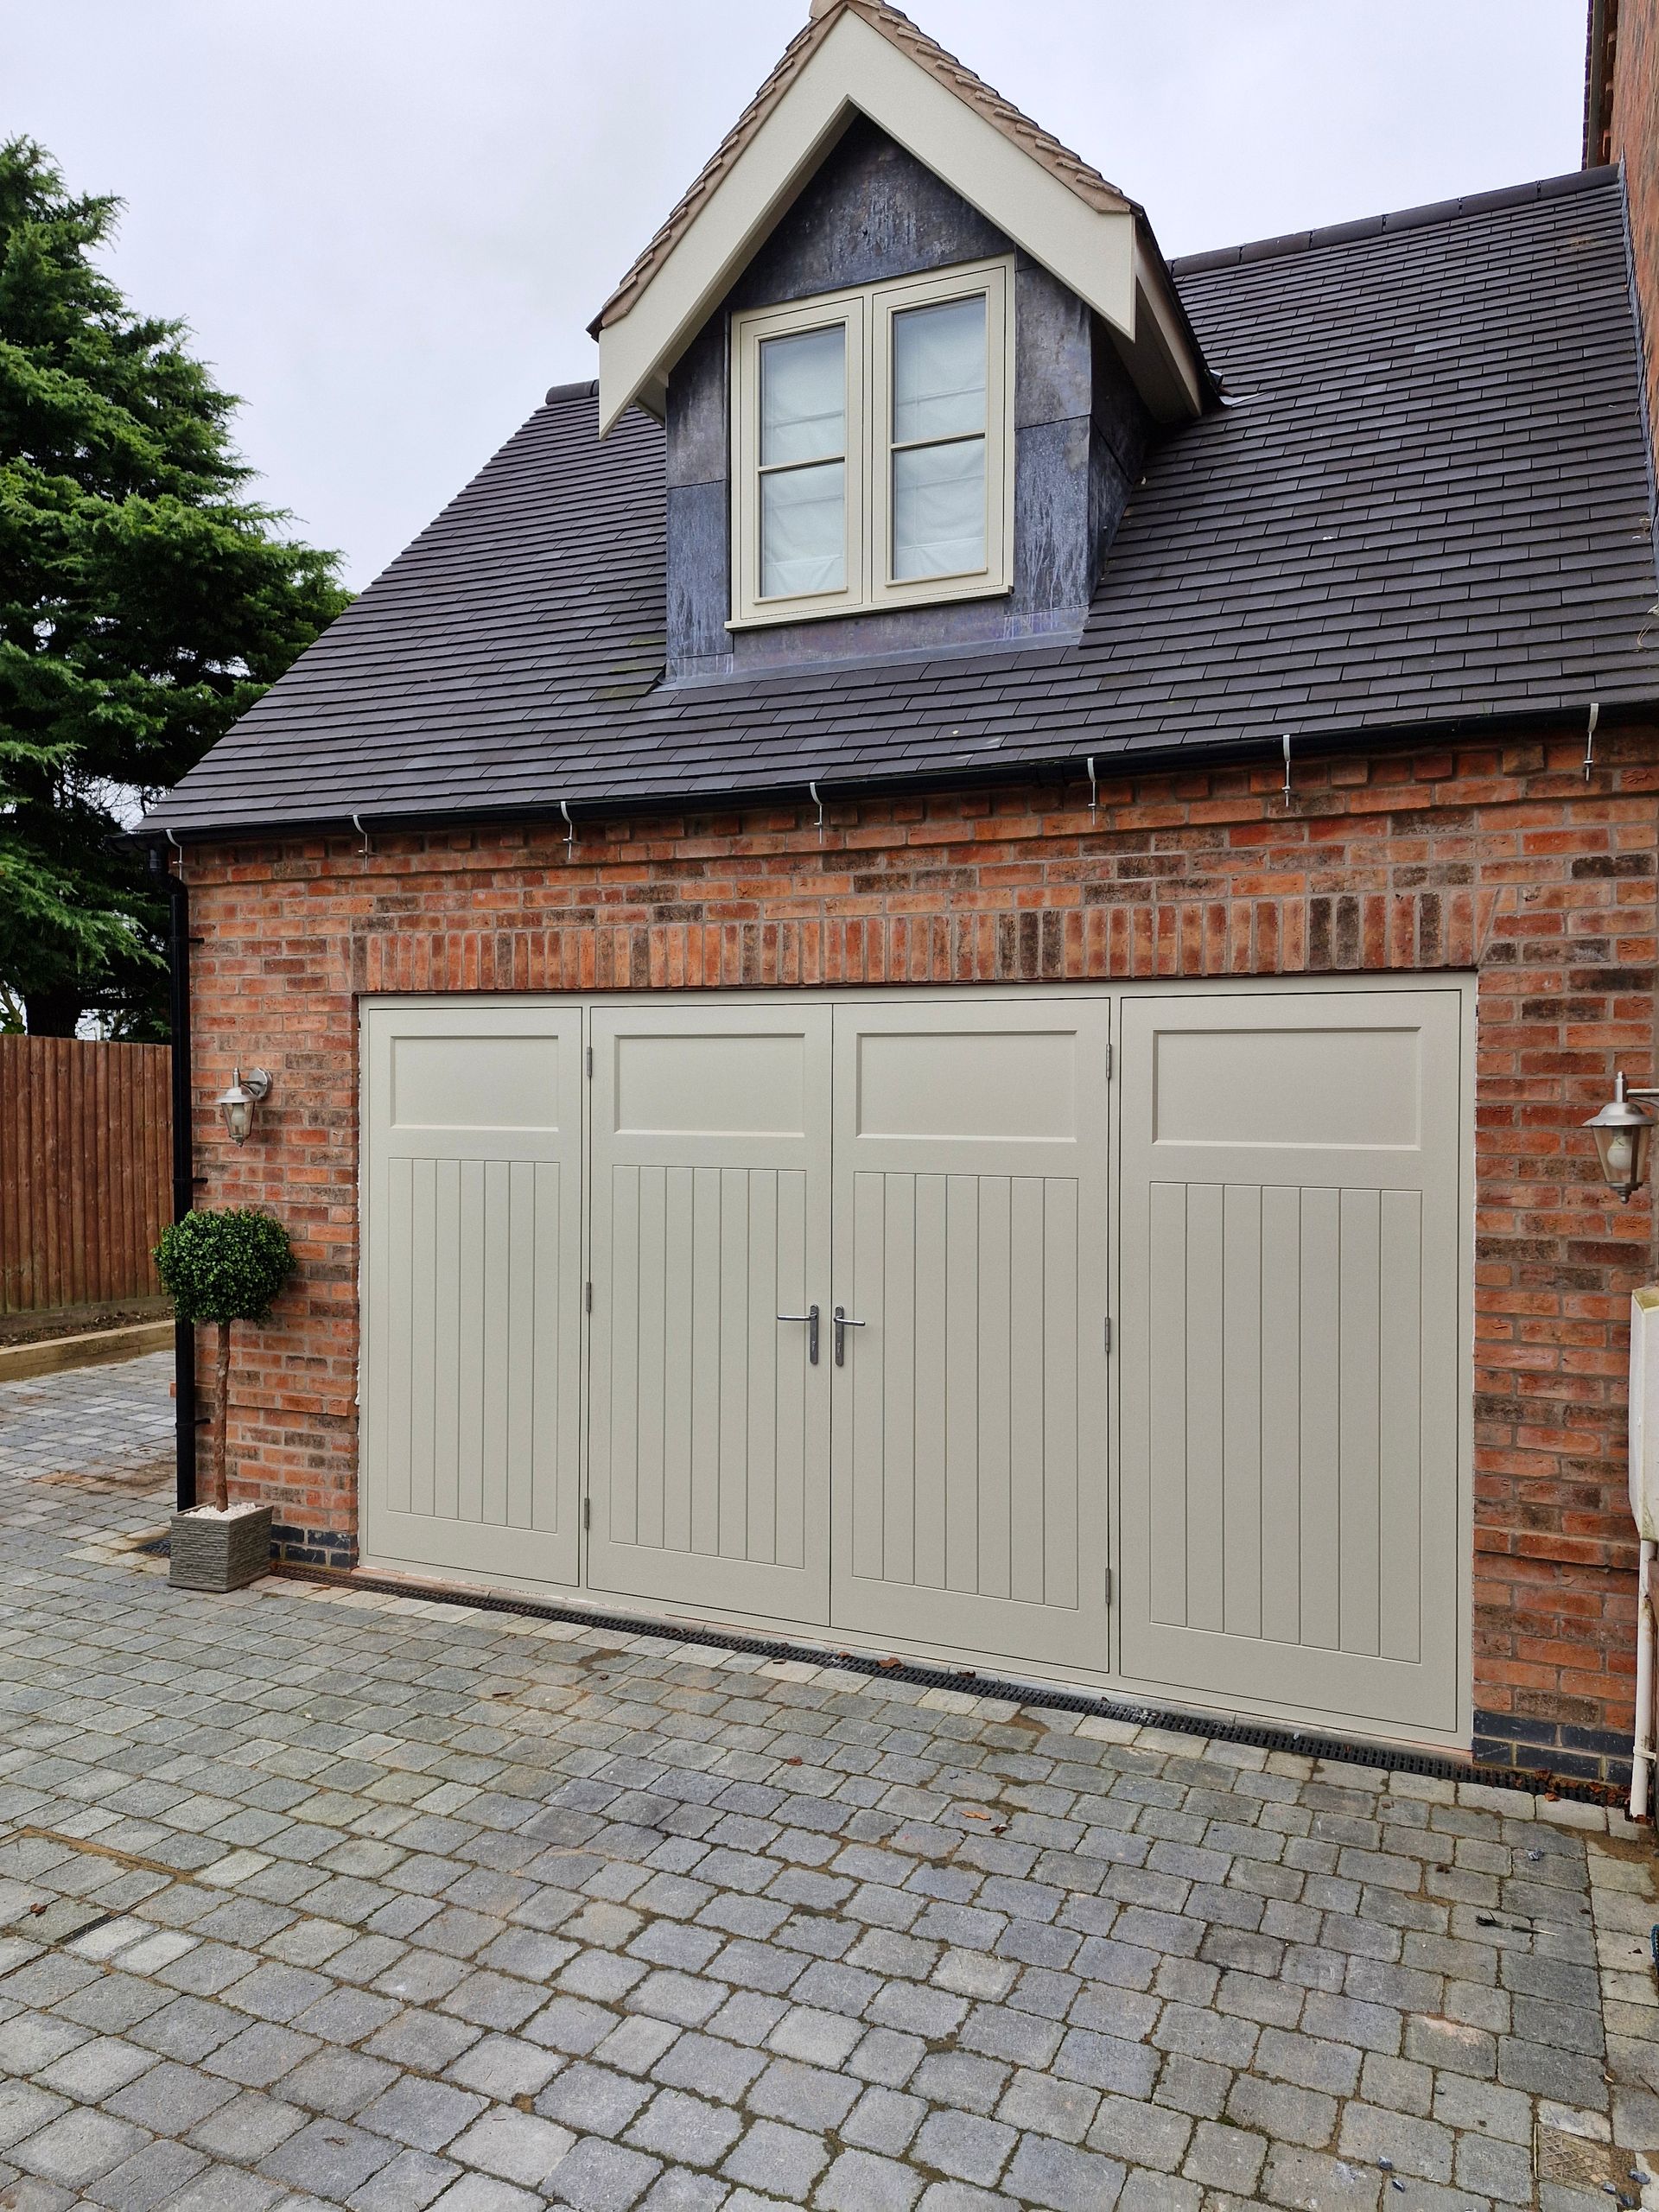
x=1387 y=1758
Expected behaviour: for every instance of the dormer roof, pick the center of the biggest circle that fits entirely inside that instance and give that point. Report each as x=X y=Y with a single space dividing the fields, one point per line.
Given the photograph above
x=1425 y=514
x=866 y=57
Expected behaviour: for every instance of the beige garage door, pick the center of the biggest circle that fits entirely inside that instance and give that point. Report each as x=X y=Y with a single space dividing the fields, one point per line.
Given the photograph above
x=1290 y=1344
x=1283 y=1193
x=970 y=1250
x=472 y=1312
x=709 y=1436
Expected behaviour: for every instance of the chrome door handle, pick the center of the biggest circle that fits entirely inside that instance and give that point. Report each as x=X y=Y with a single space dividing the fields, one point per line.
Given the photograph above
x=843 y=1322
x=810 y=1317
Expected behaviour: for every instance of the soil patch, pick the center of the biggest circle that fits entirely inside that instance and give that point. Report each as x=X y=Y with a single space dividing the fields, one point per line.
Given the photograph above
x=81 y=1320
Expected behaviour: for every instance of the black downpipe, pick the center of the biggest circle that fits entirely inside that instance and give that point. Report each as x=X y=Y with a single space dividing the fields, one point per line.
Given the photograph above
x=184 y=1185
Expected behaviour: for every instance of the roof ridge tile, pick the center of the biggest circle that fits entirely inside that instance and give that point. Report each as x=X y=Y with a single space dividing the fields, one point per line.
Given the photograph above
x=1402 y=219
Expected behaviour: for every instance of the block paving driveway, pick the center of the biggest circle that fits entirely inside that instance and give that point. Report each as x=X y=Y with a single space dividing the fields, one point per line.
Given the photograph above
x=311 y=1898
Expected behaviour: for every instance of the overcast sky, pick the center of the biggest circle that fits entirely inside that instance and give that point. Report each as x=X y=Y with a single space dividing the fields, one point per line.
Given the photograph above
x=388 y=222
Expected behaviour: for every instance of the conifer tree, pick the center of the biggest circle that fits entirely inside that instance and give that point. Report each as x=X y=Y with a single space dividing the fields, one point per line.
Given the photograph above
x=145 y=602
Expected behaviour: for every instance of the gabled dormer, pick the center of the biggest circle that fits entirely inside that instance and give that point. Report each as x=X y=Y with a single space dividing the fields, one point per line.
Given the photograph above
x=909 y=352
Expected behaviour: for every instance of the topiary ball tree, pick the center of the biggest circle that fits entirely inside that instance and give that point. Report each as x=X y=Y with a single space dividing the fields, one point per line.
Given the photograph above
x=223 y=1268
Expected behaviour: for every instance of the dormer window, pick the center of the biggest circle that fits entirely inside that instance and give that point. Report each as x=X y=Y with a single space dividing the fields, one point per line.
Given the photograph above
x=873 y=451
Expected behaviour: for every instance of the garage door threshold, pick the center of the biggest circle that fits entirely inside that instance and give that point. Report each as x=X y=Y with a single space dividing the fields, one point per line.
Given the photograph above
x=1392 y=1758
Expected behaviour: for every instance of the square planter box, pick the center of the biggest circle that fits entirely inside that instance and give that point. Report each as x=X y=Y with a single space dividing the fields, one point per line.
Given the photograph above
x=218 y=1551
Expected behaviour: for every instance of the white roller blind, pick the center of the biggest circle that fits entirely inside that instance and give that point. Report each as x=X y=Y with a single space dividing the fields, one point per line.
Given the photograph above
x=803 y=462
x=939 y=439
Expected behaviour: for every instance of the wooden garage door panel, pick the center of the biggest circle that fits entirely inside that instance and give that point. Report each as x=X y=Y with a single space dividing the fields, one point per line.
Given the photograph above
x=970 y=1479
x=1290 y=1264
x=472 y=1324
x=708 y=1432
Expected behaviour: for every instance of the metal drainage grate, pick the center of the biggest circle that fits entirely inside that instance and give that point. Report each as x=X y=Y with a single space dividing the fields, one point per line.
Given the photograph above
x=1350 y=1750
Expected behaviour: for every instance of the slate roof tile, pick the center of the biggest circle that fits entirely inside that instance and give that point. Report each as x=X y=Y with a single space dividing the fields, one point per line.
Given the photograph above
x=1427 y=504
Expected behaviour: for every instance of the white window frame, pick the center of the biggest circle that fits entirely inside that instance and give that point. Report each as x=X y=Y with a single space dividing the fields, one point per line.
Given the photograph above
x=867 y=312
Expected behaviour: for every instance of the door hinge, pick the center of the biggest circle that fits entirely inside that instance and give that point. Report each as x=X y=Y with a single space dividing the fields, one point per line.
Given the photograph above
x=1109 y=1332
x=587 y=1298
x=590 y=1063
x=1109 y=1586
x=586 y=1512
x=1108 y=1060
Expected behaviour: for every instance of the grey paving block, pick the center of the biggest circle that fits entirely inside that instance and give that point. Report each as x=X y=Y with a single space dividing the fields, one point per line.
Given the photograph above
x=1061 y=2176
x=413 y=2180
x=77 y=2147
x=95 y=2069
x=152 y=2175
x=599 y=2177
x=227 y=2188
x=1223 y=2158
x=338 y=2082
x=425 y=2115
x=487 y=2193
x=517 y=2146
x=1137 y=2133
x=329 y=2158
x=685 y=2130
x=783 y=2161
x=170 y=2099
x=248 y=2127
x=860 y=2182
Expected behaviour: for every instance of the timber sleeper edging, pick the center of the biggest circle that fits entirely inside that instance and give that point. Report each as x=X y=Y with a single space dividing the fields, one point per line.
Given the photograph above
x=97 y=1348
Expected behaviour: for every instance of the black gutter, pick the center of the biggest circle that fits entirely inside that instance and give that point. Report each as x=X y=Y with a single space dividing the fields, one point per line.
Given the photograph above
x=184 y=1185
x=977 y=771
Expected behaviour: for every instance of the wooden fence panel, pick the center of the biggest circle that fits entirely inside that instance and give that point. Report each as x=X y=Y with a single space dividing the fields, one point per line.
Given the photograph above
x=86 y=1170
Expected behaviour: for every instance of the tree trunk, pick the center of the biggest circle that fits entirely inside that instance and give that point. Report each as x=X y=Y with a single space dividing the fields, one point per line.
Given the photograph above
x=218 y=1489
x=53 y=1013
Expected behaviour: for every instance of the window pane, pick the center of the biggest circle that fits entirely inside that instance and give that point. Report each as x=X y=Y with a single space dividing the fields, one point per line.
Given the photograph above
x=803 y=531
x=938 y=510
x=939 y=371
x=804 y=396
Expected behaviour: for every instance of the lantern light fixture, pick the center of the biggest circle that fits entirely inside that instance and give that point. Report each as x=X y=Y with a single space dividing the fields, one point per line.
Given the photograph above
x=1623 y=1133
x=239 y=1102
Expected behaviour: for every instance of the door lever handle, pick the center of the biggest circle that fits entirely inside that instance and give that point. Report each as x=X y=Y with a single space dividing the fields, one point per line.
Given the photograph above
x=843 y=1322
x=810 y=1317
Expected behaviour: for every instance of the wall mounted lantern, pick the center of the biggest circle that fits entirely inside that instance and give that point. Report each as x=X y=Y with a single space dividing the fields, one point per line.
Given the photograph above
x=238 y=1102
x=1624 y=1131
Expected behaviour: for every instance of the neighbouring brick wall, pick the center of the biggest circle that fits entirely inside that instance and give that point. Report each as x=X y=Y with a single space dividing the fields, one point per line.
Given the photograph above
x=1496 y=858
x=1635 y=141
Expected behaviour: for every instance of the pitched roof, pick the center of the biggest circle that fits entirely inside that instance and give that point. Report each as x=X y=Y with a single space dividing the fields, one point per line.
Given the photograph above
x=1070 y=169
x=1426 y=506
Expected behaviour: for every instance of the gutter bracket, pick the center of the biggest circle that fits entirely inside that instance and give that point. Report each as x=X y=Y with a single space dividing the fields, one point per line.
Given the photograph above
x=1590 y=738
x=1094 y=791
x=1289 y=800
x=818 y=802
x=569 y=830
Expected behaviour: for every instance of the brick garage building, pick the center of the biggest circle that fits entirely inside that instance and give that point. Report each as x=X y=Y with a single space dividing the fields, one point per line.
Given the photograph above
x=1389 y=497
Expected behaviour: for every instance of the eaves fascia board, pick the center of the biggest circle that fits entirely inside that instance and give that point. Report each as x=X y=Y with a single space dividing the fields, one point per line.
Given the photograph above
x=856 y=69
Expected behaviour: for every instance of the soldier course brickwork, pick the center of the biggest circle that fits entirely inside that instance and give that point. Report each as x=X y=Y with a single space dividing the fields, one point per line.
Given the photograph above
x=1495 y=858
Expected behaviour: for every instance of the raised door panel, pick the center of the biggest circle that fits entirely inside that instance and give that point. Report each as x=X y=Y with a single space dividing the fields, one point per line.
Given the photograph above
x=969 y=1485
x=709 y=1434
x=1291 y=1318
x=472 y=1318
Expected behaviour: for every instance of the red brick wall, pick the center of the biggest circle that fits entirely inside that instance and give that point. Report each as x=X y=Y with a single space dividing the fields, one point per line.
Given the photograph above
x=1635 y=141
x=1496 y=858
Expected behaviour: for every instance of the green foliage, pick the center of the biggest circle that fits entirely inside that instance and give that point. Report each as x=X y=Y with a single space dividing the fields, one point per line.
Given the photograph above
x=223 y=1267
x=144 y=601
